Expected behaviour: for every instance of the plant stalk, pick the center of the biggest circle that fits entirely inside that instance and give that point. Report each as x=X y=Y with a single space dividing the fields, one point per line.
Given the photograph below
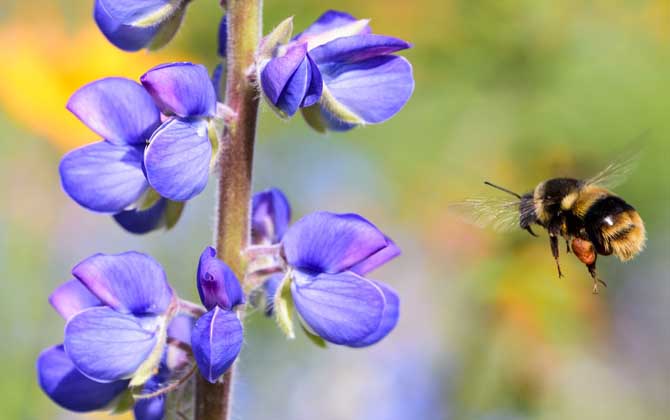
x=234 y=164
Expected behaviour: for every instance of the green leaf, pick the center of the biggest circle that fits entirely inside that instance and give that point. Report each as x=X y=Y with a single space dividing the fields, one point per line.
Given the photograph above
x=168 y=30
x=173 y=211
x=148 y=199
x=123 y=402
x=283 y=305
x=320 y=342
x=313 y=118
x=160 y=15
x=279 y=36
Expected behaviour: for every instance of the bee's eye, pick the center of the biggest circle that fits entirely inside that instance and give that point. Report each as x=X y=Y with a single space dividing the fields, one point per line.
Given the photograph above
x=609 y=221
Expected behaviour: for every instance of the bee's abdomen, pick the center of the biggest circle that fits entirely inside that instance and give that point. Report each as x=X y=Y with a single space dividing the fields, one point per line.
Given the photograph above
x=615 y=227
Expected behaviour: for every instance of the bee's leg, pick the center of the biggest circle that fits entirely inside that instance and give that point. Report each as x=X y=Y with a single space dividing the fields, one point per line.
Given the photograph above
x=594 y=276
x=553 y=241
x=567 y=245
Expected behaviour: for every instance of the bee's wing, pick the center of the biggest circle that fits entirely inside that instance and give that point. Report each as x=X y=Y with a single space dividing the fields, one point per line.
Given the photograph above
x=615 y=173
x=500 y=214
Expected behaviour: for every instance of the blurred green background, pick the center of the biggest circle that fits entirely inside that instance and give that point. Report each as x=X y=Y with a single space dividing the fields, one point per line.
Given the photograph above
x=514 y=91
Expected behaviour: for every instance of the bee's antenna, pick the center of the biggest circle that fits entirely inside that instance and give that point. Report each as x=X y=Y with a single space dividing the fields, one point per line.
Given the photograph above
x=498 y=187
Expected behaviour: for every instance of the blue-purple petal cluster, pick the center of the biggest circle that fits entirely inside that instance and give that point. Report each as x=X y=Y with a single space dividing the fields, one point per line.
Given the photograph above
x=339 y=73
x=135 y=24
x=329 y=255
x=270 y=217
x=117 y=309
x=155 y=145
x=217 y=336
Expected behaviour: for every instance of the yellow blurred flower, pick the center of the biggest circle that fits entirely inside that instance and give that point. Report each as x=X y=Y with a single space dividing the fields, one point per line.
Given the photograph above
x=44 y=62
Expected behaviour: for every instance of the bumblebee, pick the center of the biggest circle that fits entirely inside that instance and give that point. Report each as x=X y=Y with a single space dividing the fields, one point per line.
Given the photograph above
x=585 y=213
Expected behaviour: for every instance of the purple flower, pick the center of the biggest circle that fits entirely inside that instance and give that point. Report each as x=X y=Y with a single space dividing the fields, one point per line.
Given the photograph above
x=270 y=216
x=135 y=24
x=117 y=310
x=337 y=71
x=217 y=336
x=329 y=255
x=217 y=284
x=143 y=169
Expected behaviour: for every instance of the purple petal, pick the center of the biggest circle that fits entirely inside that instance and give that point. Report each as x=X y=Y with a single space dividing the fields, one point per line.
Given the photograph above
x=296 y=88
x=177 y=159
x=389 y=317
x=130 y=282
x=217 y=284
x=128 y=38
x=106 y=345
x=103 y=176
x=182 y=89
x=216 y=341
x=270 y=216
x=223 y=37
x=150 y=408
x=379 y=258
x=331 y=243
x=315 y=85
x=119 y=110
x=217 y=82
x=143 y=221
x=278 y=71
x=128 y=12
x=72 y=297
x=180 y=328
x=342 y=308
x=351 y=49
x=331 y=19
x=374 y=89
x=67 y=387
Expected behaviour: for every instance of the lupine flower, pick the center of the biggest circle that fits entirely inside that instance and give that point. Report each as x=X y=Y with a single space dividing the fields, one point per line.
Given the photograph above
x=135 y=24
x=143 y=168
x=270 y=216
x=337 y=71
x=118 y=311
x=217 y=336
x=328 y=256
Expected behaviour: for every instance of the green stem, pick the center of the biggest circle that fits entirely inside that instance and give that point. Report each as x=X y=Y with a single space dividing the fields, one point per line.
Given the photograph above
x=234 y=163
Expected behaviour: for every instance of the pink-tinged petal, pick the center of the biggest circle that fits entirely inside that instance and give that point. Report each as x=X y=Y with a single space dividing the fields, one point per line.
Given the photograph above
x=177 y=159
x=182 y=89
x=69 y=388
x=332 y=25
x=389 y=317
x=357 y=48
x=216 y=340
x=379 y=258
x=331 y=19
x=331 y=243
x=106 y=345
x=342 y=308
x=118 y=109
x=130 y=282
x=72 y=297
x=104 y=177
x=217 y=284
